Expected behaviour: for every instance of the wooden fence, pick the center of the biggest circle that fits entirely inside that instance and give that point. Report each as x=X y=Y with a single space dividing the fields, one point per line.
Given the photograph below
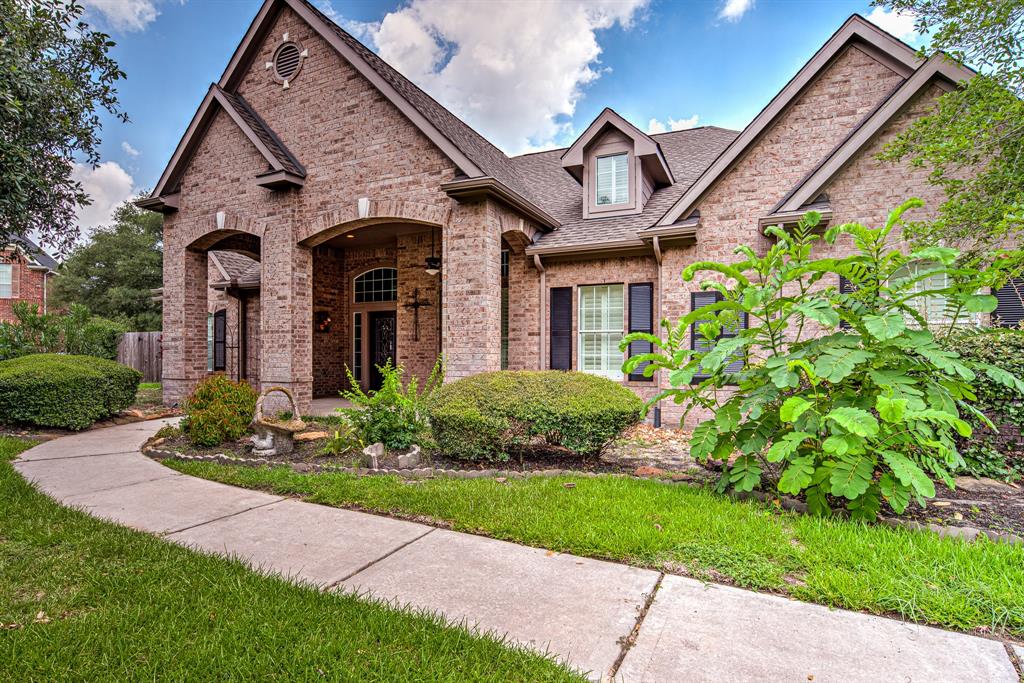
x=142 y=351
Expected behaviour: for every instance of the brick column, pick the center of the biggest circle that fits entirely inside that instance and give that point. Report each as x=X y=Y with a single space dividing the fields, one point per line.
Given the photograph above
x=471 y=296
x=184 y=320
x=286 y=312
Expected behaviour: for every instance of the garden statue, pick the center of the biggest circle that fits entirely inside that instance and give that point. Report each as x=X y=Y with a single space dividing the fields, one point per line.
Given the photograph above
x=274 y=437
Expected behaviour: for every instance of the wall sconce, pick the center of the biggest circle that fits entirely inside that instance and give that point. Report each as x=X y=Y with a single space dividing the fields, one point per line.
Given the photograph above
x=433 y=263
x=322 y=321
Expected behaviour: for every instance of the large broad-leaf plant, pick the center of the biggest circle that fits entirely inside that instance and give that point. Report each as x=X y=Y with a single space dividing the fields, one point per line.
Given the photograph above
x=844 y=392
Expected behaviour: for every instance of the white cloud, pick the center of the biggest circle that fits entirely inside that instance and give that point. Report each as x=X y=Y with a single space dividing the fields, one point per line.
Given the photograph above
x=108 y=185
x=733 y=10
x=124 y=15
x=129 y=150
x=518 y=87
x=900 y=24
x=656 y=126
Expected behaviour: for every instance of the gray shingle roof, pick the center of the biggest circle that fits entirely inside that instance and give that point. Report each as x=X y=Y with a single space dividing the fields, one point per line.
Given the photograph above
x=239 y=266
x=35 y=252
x=688 y=153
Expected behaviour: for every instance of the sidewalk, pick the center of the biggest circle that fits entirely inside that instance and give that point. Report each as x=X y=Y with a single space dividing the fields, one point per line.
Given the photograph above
x=581 y=610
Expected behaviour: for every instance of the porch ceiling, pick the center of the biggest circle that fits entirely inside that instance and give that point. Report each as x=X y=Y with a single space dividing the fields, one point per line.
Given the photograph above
x=374 y=235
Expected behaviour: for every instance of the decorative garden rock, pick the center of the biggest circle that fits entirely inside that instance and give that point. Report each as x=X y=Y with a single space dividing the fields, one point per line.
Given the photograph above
x=373 y=453
x=275 y=437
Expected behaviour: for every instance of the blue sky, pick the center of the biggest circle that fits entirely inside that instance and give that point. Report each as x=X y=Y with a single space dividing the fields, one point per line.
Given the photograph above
x=715 y=62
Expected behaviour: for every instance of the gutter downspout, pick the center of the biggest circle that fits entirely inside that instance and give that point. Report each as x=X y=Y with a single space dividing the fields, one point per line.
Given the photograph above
x=543 y=314
x=659 y=257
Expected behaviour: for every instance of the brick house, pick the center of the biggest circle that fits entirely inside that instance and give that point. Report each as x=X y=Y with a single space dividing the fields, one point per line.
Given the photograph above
x=321 y=211
x=25 y=272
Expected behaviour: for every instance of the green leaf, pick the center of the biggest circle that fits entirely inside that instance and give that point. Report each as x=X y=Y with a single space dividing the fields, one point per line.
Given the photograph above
x=704 y=440
x=820 y=310
x=909 y=473
x=793 y=407
x=745 y=473
x=786 y=446
x=891 y=409
x=897 y=494
x=854 y=420
x=725 y=352
x=684 y=375
x=865 y=508
x=783 y=377
x=817 y=500
x=981 y=303
x=851 y=476
x=884 y=327
x=837 y=364
x=727 y=418
x=1007 y=379
x=797 y=476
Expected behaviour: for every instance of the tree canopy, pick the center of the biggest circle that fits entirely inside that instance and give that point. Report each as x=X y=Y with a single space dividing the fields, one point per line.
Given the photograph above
x=56 y=78
x=115 y=272
x=973 y=142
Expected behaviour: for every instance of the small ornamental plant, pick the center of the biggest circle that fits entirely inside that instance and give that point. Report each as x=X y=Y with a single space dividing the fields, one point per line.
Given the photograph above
x=825 y=391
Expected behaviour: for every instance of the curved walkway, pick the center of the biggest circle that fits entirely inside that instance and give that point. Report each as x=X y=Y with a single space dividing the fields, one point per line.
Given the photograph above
x=583 y=610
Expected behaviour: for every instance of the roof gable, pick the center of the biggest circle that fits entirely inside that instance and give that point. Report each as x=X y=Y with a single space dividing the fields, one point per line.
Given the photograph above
x=856 y=30
x=284 y=168
x=939 y=68
x=644 y=147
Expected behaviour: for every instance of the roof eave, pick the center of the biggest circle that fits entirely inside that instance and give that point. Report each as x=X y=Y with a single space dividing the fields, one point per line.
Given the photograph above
x=167 y=203
x=473 y=188
x=280 y=180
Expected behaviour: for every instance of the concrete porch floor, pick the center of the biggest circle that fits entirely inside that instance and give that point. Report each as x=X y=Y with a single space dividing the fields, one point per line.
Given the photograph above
x=327 y=405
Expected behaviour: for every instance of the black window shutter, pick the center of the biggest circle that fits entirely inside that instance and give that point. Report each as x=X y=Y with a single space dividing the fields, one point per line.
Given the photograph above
x=698 y=343
x=641 y=319
x=220 y=329
x=561 y=328
x=845 y=287
x=1010 y=309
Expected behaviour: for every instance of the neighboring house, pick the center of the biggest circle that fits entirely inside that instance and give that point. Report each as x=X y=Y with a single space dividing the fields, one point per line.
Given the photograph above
x=385 y=227
x=25 y=272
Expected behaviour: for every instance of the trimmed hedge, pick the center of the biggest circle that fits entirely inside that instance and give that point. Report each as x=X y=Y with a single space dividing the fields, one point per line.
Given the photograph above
x=988 y=454
x=54 y=390
x=484 y=416
x=218 y=411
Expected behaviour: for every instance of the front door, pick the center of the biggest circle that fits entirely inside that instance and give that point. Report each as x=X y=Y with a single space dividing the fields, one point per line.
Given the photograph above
x=382 y=343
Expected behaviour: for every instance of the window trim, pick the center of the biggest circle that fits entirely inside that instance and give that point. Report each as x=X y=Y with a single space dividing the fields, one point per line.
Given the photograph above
x=10 y=268
x=618 y=375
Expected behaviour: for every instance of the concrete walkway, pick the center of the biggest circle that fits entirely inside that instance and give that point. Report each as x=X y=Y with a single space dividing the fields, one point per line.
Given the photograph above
x=580 y=609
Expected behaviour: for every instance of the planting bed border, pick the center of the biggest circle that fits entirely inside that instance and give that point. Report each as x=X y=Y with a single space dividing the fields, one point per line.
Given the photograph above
x=964 y=533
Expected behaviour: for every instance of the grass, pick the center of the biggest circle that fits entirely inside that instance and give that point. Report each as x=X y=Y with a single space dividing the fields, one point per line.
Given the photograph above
x=149 y=395
x=919 y=576
x=82 y=599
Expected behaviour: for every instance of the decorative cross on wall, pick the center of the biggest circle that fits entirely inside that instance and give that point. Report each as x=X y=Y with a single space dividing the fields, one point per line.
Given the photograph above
x=416 y=304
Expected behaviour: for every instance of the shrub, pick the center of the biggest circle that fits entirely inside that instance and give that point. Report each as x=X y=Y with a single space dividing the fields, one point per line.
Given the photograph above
x=394 y=414
x=345 y=440
x=987 y=453
x=218 y=411
x=72 y=392
x=76 y=332
x=486 y=415
x=866 y=412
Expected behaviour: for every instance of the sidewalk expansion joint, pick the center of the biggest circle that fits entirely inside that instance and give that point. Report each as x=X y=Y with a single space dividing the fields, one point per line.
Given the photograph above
x=165 y=534
x=385 y=556
x=630 y=640
x=120 y=486
x=73 y=457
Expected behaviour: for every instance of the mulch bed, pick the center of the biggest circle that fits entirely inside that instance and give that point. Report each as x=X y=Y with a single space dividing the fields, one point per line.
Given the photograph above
x=998 y=507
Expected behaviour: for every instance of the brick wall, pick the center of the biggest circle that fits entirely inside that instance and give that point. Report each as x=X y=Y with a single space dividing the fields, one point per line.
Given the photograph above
x=26 y=285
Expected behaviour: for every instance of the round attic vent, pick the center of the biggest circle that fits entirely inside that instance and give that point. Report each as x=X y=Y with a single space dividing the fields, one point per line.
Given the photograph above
x=287 y=61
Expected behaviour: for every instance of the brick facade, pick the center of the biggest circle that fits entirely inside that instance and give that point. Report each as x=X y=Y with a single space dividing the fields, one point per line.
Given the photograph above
x=27 y=284
x=373 y=197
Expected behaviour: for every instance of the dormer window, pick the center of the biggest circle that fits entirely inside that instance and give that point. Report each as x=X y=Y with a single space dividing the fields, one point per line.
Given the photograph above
x=612 y=179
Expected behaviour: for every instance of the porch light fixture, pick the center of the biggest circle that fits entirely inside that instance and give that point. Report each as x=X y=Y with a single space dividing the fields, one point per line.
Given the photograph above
x=433 y=262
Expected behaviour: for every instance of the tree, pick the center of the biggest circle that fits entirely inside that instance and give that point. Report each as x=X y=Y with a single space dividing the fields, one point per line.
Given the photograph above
x=56 y=77
x=973 y=142
x=115 y=272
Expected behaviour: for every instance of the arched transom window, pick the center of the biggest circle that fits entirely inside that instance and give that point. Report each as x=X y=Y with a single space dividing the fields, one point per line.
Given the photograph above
x=379 y=284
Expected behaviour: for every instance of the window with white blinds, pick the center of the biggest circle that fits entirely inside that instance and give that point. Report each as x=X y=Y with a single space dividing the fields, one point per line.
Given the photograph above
x=933 y=308
x=6 y=281
x=601 y=324
x=612 y=179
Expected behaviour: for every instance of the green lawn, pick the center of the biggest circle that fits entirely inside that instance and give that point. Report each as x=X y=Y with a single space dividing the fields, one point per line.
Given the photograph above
x=683 y=530
x=149 y=395
x=82 y=599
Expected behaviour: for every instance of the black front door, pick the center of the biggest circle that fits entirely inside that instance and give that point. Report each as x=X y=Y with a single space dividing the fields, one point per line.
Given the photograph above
x=382 y=343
